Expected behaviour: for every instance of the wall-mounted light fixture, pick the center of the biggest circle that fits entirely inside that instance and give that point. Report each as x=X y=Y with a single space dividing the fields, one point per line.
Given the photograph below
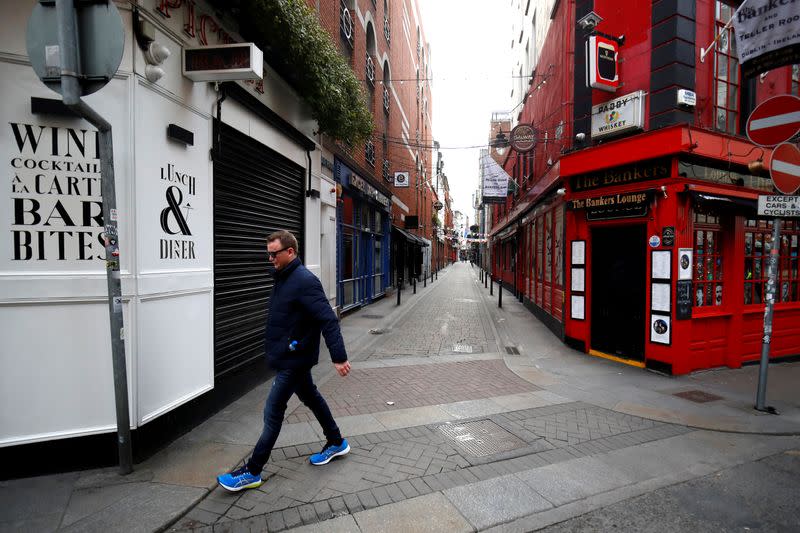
x=154 y=53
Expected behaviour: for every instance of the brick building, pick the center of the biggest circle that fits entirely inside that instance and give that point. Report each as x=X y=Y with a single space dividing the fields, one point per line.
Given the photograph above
x=386 y=188
x=634 y=234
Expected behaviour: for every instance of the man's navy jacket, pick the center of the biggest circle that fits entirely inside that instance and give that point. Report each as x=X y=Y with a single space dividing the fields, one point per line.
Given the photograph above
x=299 y=311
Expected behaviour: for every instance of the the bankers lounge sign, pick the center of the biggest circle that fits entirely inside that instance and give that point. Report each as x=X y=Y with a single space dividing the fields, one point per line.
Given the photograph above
x=646 y=170
x=359 y=183
x=619 y=115
x=623 y=205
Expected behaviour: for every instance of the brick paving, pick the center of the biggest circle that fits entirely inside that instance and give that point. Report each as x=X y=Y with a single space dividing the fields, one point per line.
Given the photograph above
x=367 y=390
x=393 y=466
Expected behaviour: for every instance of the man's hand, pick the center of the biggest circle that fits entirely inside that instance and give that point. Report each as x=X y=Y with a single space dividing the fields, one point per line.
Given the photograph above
x=342 y=368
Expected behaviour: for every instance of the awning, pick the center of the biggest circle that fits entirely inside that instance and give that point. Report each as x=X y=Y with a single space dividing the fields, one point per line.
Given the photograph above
x=745 y=206
x=410 y=237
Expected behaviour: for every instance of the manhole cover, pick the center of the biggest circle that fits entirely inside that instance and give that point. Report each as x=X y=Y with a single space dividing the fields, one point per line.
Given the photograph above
x=481 y=437
x=462 y=348
x=697 y=396
x=512 y=350
x=371 y=316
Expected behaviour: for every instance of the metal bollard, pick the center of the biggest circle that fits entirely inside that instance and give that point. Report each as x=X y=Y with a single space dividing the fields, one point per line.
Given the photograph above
x=425 y=280
x=399 y=288
x=486 y=277
x=500 y=294
x=415 y=285
x=480 y=275
x=491 y=285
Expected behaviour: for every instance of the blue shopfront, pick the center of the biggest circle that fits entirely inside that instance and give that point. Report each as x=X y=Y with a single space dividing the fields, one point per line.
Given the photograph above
x=362 y=239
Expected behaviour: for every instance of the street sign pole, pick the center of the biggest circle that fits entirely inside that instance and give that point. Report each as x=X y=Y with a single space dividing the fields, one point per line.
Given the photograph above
x=772 y=274
x=71 y=93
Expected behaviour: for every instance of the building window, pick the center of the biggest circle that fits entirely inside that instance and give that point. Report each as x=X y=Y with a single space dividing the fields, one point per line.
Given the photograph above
x=796 y=80
x=346 y=26
x=370 y=70
x=757 y=247
x=726 y=75
x=708 y=286
x=369 y=152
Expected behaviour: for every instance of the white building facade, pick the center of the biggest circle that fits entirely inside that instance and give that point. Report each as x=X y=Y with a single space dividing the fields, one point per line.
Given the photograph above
x=193 y=217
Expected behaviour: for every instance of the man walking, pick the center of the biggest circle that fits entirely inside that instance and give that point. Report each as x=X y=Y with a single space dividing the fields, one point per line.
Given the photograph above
x=299 y=311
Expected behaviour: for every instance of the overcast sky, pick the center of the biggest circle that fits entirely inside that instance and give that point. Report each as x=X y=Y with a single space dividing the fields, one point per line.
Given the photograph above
x=470 y=47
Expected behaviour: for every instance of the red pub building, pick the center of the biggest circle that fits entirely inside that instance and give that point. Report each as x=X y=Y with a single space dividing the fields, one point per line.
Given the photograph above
x=632 y=228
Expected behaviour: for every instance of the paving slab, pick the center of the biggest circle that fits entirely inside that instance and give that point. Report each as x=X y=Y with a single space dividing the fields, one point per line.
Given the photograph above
x=497 y=500
x=573 y=480
x=403 y=418
x=145 y=509
x=194 y=464
x=432 y=513
x=473 y=408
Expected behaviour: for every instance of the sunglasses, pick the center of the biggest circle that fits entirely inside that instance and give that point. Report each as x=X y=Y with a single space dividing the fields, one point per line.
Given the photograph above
x=272 y=255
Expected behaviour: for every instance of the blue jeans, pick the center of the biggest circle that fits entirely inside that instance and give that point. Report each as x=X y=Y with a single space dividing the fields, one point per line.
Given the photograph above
x=287 y=382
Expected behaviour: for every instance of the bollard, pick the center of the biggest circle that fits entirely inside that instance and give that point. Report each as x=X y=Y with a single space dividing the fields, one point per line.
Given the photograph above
x=500 y=294
x=425 y=280
x=491 y=285
x=437 y=273
x=415 y=285
x=480 y=275
x=399 y=287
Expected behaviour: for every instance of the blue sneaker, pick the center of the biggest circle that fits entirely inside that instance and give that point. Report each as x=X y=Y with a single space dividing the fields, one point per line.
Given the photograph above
x=239 y=479
x=329 y=452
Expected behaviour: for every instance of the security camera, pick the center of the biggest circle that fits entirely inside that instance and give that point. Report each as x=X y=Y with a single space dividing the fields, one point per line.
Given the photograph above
x=561 y=192
x=580 y=137
x=590 y=20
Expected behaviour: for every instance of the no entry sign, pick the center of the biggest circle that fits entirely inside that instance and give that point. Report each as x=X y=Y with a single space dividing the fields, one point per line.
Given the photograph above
x=775 y=120
x=785 y=168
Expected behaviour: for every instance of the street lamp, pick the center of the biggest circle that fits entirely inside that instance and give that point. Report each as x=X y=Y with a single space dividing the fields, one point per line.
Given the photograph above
x=500 y=143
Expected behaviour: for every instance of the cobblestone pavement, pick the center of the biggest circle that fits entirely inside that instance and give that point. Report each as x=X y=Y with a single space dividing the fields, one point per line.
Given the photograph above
x=451 y=318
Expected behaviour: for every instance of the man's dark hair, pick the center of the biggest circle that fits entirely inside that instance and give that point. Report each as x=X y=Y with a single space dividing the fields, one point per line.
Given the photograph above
x=287 y=239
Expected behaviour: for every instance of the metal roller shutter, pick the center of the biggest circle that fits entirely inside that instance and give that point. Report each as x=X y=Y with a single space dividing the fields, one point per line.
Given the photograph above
x=256 y=191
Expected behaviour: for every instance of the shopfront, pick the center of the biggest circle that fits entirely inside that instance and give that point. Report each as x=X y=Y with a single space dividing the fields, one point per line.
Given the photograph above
x=666 y=258
x=363 y=244
x=203 y=174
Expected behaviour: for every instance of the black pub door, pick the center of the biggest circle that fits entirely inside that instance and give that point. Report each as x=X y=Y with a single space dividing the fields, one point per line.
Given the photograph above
x=618 y=290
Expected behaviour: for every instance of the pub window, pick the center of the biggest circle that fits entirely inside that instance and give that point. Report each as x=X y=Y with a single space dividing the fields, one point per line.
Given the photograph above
x=539 y=249
x=757 y=247
x=796 y=80
x=548 y=247
x=559 y=247
x=708 y=286
x=726 y=72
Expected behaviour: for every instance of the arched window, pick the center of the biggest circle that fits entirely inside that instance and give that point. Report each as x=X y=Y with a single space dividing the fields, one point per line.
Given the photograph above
x=387 y=30
x=347 y=27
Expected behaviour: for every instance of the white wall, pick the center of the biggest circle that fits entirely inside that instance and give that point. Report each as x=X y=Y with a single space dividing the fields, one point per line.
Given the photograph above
x=55 y=358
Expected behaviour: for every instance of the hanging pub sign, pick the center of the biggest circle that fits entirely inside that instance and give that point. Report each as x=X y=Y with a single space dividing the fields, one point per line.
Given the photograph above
x=223 y=62
x=766 y=35
x=523 y=138
x=619 y=115
x=623 y=205
x=401 y=179
x=602 y=64
x=495 y=181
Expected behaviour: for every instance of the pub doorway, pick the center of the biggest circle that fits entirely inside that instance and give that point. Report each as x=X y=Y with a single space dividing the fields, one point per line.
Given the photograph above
x=619 y=262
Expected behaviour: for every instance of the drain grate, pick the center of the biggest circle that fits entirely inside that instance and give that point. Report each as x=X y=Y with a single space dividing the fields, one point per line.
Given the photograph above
x=371 y=316
x=377 y=331
x=462 y=348
x=512 y=350
x=698 y=396
x=481 y=437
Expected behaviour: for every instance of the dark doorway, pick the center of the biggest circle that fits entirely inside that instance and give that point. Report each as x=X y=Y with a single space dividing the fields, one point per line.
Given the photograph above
x=619 y=282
